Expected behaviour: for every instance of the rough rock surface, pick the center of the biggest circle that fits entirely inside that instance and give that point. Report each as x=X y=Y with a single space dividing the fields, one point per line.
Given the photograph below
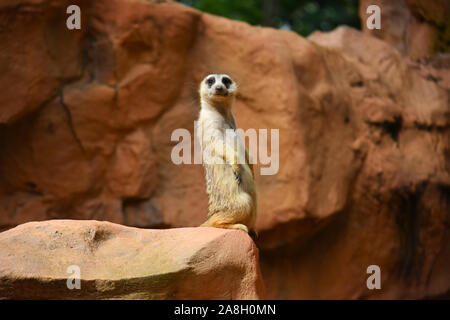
x=364 y=167
x=118 y=262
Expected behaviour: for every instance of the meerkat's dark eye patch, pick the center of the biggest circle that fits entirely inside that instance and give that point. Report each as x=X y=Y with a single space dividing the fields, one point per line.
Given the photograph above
x=210 y=81
x=227 y=82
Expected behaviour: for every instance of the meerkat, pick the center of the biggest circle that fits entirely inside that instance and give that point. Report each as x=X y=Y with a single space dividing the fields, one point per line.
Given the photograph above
x=229 y=175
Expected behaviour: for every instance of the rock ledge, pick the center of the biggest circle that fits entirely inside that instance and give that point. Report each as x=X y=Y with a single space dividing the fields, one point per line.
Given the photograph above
x=119 y=262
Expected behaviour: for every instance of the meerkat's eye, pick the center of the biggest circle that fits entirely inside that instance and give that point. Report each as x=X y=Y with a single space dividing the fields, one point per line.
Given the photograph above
x=227 y=82
x=210 y=81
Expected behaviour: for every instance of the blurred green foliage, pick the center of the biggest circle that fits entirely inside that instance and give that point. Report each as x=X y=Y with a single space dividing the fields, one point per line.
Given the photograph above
x=301 y=16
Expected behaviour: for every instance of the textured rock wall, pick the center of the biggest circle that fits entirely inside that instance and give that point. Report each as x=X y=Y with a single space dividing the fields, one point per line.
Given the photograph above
x=86 y=119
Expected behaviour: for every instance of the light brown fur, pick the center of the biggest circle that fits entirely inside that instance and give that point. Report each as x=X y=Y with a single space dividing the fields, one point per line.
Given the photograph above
x=229 y=175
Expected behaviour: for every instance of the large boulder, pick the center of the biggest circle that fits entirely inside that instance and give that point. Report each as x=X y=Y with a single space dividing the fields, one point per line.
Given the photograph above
x=37 y=259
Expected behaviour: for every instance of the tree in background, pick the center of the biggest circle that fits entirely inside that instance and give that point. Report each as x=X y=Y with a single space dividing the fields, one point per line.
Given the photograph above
x=301 y=16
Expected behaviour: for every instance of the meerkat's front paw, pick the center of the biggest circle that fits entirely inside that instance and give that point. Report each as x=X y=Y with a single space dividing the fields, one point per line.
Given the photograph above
x=237 y=173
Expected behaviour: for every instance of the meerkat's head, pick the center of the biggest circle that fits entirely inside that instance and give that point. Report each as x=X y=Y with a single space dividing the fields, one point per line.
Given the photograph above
x=218 y=89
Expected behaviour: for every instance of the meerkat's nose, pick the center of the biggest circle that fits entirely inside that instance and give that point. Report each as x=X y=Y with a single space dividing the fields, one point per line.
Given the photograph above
x=219 y=88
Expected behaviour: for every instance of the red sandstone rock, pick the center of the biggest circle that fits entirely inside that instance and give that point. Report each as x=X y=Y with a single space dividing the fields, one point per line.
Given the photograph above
x=118 y=262
x=417 y=28
x=364 y=140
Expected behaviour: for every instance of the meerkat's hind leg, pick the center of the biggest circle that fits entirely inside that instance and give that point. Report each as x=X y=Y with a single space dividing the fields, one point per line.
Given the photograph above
x=238 y=226
x=205 y=224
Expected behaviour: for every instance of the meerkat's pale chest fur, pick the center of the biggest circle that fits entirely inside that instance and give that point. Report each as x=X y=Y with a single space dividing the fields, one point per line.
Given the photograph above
x=229 y=176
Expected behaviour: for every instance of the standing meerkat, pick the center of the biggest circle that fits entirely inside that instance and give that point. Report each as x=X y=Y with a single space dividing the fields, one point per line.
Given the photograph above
x=229 y=176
